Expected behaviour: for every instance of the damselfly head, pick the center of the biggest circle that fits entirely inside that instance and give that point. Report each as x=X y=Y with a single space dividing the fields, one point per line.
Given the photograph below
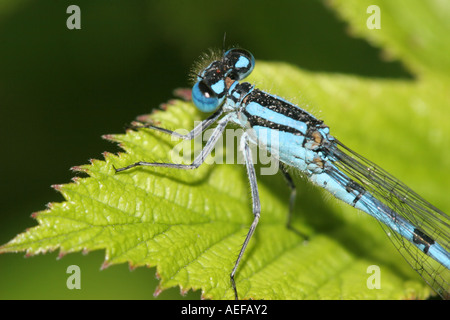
x=214 y=81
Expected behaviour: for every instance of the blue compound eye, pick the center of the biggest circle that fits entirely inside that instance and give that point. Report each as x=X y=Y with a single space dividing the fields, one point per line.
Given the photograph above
x=240 y=63
x=205 y=99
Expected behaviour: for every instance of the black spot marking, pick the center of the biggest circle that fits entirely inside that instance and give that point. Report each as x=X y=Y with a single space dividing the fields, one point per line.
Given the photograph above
x=421 y=238
x=353 y=186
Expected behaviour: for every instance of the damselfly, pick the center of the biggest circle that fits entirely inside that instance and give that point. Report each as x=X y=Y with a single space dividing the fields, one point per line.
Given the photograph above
x=419 y=230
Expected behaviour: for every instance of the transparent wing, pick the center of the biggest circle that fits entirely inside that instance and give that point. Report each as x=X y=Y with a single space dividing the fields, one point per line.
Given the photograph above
x=406 y=203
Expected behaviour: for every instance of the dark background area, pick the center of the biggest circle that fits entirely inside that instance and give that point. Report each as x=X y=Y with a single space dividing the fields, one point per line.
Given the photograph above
x=61 y=89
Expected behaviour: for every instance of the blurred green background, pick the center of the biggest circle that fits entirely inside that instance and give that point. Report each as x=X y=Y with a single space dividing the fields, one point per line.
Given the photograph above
x=61 y=89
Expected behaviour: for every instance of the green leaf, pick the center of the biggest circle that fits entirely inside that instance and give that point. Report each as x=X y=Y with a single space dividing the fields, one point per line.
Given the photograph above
x=413 y=31
x=191 y=224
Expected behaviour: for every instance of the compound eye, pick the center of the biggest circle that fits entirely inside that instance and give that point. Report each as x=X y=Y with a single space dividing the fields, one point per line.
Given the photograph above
x=241 y=63
x=204 y=98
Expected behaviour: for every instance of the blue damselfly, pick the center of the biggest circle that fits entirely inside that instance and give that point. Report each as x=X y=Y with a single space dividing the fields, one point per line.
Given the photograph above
x=419 y=230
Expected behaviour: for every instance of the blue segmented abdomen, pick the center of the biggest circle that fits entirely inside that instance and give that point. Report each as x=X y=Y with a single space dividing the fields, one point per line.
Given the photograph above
x=298 y=139
x=354 y=194
x=397 y=223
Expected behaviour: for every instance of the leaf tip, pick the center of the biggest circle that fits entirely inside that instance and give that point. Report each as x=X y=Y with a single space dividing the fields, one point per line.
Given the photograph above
x=106 y=154
x=165 y=105
x=136 y=124
x=57 y=187
x=78 y=169
x=108 y=136
x=183 y=93
x=183 y=291
x=105 y=264
x=132 y=266
x=29 y=254
x=143 y=118
x=61 y=254
x=36 y=214
x=158 y=291
x=76 y=179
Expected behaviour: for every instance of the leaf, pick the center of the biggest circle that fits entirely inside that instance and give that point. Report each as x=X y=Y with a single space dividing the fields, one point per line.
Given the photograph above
x=413 y=31
x=191 y=224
